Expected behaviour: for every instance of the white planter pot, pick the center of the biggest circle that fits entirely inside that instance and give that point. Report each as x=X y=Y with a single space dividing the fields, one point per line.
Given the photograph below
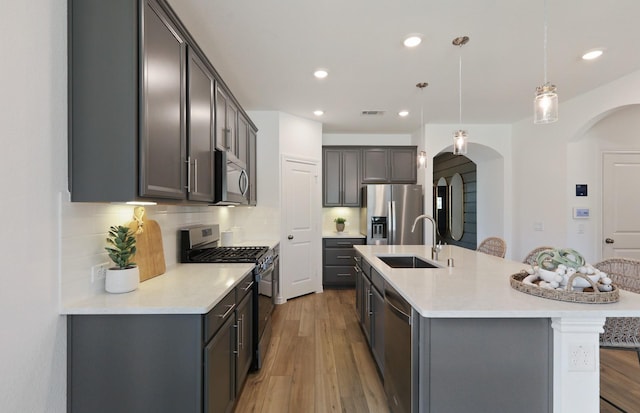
x=122 y=281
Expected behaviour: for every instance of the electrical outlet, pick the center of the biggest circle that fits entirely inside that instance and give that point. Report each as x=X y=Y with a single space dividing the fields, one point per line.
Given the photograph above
x=582 y=358
x=99 y=271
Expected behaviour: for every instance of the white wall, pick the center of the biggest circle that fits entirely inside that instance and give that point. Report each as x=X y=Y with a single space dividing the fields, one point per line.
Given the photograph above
x=549 y=160
x=366 y=139
x=33 y=119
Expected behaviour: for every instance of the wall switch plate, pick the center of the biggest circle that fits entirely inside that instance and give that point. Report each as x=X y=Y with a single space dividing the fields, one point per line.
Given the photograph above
x=582 y=358
x=99 y=271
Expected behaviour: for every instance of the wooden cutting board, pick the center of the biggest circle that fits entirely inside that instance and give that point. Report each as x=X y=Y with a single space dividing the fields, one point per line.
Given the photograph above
x=149 y=251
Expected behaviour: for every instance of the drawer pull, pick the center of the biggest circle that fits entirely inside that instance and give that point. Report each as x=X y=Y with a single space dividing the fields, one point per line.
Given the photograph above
x=248 y=287
x=345 y=243
x=230 y=308
x=344 y=274
x=344 y=257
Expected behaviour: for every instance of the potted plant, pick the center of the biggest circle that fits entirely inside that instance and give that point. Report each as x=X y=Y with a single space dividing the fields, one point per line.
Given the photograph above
x=340 y=223
x=125 y=276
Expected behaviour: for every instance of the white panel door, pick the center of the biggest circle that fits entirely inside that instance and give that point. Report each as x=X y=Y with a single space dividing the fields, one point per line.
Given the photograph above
x=621 y=205
x=300 y=216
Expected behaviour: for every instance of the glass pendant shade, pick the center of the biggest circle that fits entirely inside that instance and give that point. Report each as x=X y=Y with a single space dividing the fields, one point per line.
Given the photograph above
x=545 y=104
x=422 y=159
x=460 y=142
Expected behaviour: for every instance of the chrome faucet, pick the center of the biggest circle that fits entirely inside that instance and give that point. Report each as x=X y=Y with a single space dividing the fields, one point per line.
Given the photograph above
x=434 y=248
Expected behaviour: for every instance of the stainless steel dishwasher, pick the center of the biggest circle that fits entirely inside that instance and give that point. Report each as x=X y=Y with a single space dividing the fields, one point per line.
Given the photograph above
x=397 y=351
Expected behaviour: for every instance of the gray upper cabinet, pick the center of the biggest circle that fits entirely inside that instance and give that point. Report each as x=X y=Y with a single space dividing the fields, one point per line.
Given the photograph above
x=341 y=177
x=390 y=164
x=375 y=165
x=200 y=130
x=242 y=140
x=226 y=123
x=162 y=143
x=404 y=164
x=141 y=106
x=252 y=166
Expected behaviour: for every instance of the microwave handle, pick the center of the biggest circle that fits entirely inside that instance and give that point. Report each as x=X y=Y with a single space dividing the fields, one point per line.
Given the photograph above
x=244 y=182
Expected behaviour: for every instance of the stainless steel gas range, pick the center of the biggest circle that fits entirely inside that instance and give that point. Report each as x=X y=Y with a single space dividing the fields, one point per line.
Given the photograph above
x=199 y=244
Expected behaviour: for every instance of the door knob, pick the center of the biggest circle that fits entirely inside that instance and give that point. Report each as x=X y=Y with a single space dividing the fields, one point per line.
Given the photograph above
x=290 y=237
x=609 y=241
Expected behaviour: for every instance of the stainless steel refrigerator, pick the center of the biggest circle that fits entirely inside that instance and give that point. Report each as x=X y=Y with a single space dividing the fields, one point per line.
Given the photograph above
x=387 y=214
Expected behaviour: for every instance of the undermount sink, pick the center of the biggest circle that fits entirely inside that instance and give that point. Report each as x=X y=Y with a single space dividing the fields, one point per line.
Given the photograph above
x=406 y=261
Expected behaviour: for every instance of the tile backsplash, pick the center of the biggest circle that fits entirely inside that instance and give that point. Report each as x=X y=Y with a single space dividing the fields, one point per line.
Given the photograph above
x=352 y=215
x=84 y=226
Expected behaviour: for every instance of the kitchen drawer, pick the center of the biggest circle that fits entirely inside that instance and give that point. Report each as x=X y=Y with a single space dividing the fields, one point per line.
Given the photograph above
x=245 y=286
x=339 y=276
x=366 y=268
x=342 y=242
x=339 y=256
x=377 y=281
x=219 y=314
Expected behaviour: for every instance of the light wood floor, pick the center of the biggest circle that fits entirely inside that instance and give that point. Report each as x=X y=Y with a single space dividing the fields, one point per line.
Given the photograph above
x=318 y=361
x=619 y=381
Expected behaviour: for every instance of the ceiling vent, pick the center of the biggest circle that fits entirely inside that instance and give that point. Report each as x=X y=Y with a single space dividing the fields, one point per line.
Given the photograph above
x=372 y=112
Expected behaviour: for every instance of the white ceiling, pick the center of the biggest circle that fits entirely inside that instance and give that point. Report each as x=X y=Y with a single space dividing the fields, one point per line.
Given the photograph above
x=267 y=51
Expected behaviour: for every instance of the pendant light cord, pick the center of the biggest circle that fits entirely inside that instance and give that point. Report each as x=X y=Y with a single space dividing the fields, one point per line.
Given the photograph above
x=460 y=88
x=545 y=13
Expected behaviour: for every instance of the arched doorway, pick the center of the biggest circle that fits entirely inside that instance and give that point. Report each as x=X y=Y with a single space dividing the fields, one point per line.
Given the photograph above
x=454 y=183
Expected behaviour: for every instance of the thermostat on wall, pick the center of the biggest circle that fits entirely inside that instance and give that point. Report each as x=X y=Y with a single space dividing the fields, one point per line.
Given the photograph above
x=580 y=213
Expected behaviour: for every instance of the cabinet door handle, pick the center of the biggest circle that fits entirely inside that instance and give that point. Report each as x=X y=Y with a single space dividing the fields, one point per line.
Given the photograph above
x=237 y=350
x=195 y=175
x=188 y=161
x=241 y=332
x=230 y=308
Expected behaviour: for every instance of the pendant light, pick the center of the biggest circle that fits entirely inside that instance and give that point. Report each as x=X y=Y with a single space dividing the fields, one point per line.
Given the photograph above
x=422 y=156
x=545 y=104
x=460 y=136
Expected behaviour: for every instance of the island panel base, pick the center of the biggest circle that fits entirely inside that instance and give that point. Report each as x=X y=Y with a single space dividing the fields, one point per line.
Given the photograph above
x=484 y=365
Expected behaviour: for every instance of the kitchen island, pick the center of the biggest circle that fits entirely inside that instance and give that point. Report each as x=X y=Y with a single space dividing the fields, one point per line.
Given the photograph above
x=478 y=342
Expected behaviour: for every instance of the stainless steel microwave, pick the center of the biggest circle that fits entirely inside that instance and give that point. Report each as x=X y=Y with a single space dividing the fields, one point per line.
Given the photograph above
x=231 y=180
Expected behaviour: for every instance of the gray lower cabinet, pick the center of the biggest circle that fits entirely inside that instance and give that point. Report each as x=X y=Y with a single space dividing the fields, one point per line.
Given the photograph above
x=161 y=363
x=245 y=339
x=341 y=177
x=220 y=369
x=339 y=269
x=377 y=328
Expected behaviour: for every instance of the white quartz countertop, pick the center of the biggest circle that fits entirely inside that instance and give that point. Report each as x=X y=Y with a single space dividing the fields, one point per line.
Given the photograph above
x=478 y=287
x=343 y=234
x=183 y=289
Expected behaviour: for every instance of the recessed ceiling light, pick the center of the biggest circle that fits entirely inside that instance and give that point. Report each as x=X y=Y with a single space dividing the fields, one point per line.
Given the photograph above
x=592 y=54
x=412 y=40
x=320 y=73
x=403 y=113
x=318 y=112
